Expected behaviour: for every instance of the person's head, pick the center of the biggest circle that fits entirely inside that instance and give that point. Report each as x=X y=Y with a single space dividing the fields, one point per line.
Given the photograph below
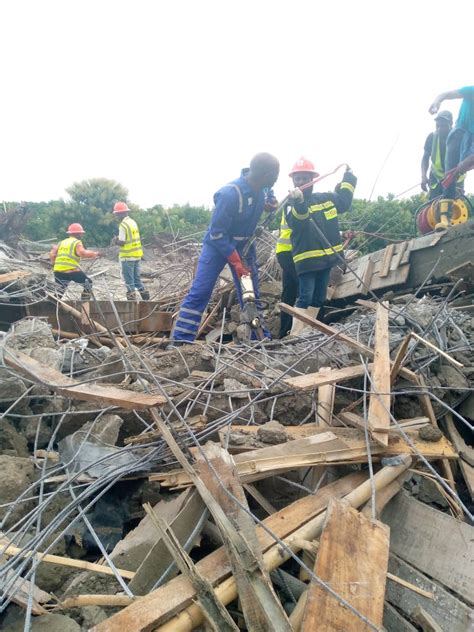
x=303 y=172
x=264 y=170
x=76 y=230
x=121 y=210
x=444 y=122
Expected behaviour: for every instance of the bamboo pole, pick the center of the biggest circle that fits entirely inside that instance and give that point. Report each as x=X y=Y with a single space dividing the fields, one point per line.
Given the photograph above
x=63 y=561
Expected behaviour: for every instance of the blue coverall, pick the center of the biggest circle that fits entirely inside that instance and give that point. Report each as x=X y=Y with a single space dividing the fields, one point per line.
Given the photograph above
x=237 y=209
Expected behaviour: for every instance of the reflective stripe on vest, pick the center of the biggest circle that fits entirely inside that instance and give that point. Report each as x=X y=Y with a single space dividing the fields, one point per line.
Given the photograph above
x=311 y=254
x=66 y=257
x=132 y=246
x=437 y=164
x=284 y=236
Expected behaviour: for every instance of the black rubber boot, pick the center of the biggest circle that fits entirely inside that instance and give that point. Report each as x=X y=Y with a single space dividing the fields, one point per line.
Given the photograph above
x=145 y=294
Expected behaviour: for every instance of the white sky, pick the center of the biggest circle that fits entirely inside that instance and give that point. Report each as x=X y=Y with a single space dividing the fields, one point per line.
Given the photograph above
x=172 y=98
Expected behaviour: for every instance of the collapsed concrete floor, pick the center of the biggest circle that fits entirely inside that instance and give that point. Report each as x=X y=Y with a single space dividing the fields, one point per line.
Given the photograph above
x=325 y=480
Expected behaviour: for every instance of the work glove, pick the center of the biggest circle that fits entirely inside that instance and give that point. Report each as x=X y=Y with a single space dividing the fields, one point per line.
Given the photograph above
x=236 y=262
x=114 y=240
x=296 y=195
x=424 y=184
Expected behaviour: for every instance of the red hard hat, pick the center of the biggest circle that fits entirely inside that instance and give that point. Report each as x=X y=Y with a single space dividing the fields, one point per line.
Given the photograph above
x=74 y=229
x=303 y=165
x=121 y=207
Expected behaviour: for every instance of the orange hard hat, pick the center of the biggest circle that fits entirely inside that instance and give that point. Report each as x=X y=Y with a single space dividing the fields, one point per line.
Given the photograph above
x=304 y=165
x=121 y=207
x=75 y=229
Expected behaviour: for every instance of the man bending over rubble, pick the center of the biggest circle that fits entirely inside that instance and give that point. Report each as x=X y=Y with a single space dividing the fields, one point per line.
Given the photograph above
x=66 y=257
x=237 y=209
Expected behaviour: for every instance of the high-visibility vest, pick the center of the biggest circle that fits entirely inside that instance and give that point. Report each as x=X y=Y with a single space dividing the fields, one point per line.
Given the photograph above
x=284 y=237
x=66 y=257
x=132 y=246
x=437 y=161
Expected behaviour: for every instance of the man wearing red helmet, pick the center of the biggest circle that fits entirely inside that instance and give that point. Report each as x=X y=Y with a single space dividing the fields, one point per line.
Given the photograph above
x=284 y=249
x=315 y=236
x=130 y=253
x=66 y=257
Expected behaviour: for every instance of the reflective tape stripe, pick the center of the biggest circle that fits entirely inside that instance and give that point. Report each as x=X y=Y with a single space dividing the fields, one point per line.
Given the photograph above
x=320 y=207
x=295 y=213
x=190 y=311
x=348 y=186
x=181 y=319
x=184 y=330
x=310 y=254
x=282 y=240
x=216 y=235
x=239 y=238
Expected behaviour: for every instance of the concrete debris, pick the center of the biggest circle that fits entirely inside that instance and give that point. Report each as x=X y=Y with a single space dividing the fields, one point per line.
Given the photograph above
x=249 y=457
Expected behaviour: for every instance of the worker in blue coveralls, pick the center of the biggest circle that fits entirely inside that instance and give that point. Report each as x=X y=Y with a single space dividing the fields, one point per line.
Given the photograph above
x=237 y=209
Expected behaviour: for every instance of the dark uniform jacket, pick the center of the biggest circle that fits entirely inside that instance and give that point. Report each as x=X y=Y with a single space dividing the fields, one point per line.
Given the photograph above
x=315 y=234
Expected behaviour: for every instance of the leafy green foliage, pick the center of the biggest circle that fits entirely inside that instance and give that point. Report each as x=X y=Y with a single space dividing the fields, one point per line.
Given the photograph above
x=375 y=223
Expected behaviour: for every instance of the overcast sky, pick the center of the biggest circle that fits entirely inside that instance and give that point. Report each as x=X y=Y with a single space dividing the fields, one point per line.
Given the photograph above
x=171 y=99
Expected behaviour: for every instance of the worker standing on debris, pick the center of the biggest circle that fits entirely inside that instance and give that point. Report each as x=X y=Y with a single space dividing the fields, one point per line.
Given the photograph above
x=460 y=142
x=284 y=253
x=237 y=209
x=315 y=236
x=65 y=258
x=130 y=253
x=434 y=155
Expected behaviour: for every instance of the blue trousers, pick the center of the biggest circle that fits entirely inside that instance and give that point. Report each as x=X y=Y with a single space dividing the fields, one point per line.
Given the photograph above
x=210 y=265
x=131 y=275
x=312 y=288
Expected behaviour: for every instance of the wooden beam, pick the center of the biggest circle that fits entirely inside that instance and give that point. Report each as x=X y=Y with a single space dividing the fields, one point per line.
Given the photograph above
x=325 y=404
x=312 y=381
x=8 y=277
x=387 y=260
x=379 y=403
x=63 y=385
x=260 y=605
x=353 y=560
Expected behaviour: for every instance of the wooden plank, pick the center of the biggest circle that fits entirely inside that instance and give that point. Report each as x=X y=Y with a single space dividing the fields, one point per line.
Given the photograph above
x=466 y=453
x=161 y=604
x=8 y=277
x=63 y=385
x=353 y=560
x=379 y=403
x=312 y=381
x=425 y=620
x=394 y=622
x=260 y=605
x=436 y=544
x=325 y=404
x=387 y=260
x=448 y=611
x=19 y=591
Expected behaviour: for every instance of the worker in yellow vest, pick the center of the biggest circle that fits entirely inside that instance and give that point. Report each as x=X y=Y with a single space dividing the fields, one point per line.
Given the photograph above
x=284 y=253
x=66 y=257
x=130 y=253
x=434 y=155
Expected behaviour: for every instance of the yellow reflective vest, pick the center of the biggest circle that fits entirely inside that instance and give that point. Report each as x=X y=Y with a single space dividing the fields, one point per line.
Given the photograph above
x=66 y=257
x=284 y=237
x=132 y=246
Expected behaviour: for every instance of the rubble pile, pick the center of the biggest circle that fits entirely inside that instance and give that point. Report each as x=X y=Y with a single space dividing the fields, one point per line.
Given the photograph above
x=317 y=482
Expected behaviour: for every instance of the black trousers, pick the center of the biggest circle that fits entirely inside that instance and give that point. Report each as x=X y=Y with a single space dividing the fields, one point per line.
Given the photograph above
x=289 y=291
x=64 y=278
